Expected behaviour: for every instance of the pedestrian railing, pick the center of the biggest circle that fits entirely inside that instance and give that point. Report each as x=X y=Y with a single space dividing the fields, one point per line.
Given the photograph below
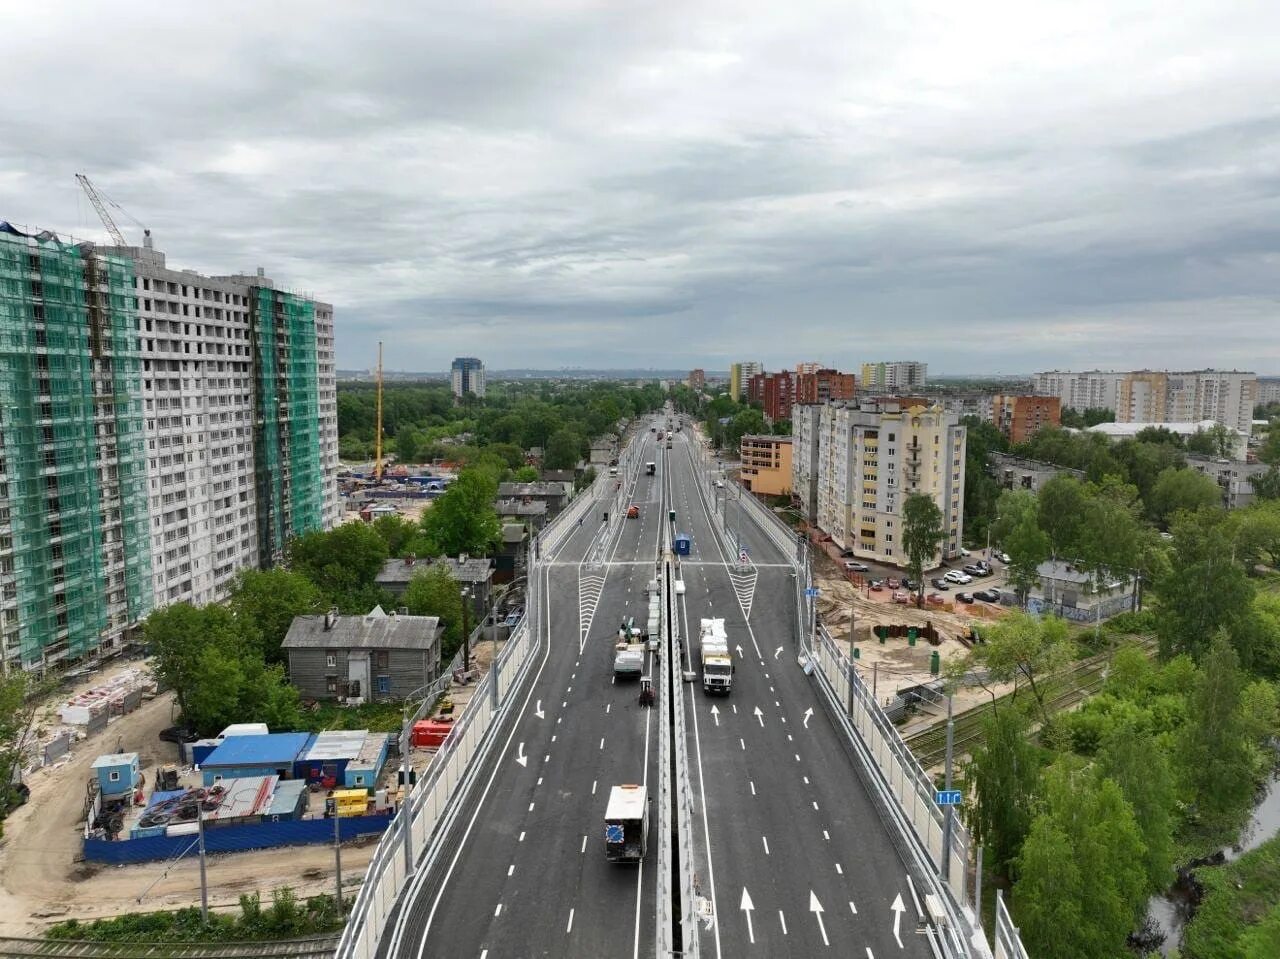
x=1008 y=943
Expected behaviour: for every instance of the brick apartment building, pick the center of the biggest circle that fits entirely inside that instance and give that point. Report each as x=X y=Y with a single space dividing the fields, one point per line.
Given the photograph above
x=1020 y=417
x=820 y=385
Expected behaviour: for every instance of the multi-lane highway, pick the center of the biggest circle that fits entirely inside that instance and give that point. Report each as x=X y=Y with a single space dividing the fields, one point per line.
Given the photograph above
x=790 y=848
x=526 y=874
x=790 y=855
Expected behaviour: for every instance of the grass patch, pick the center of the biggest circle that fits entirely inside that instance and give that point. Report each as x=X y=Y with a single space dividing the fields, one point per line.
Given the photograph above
x=1238 y=895
x=375 y=717
x=286 y=917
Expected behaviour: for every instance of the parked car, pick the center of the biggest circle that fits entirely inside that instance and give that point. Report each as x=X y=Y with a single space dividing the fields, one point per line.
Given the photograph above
x=1003 y=557
x=857 y=567
x=963 y=551
x=892 y=582
x=988 y=595
x=933 y=599
x=984 y=567
x=955 y=576
x=973 y=569
x=965 y=597
x=178 y=734
x=876 y=585
x=514 y=616
x=846 y=554
x=910 y=584
x=719 y=484
x=940 y=583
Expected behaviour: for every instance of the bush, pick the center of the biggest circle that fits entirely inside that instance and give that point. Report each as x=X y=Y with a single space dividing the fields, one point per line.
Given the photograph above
x=1132 y=623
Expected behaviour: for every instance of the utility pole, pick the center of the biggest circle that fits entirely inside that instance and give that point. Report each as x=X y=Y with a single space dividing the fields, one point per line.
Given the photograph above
x=946 y=824
x=875 y=679
x=495 y=698
x=977 y=889
x=406 y=764
x=337 y=856
x=204 y=882
x=466 y=635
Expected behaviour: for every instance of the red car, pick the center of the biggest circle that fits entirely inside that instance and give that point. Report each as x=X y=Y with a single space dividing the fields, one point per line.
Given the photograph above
x=892 y=582
x=633 y=512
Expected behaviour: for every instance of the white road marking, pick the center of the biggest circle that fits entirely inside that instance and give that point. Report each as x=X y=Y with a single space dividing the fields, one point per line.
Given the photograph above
x=765 y=840
x=593 y=787
x=602 y=742
x=553 y=738
x=584 y=844
x=782 y=919
x=530 y=807
x=826 y=835
x=511 y=868
x=539 y=780
x=753 y=788
x=746 y=906
x=808 y=715
x=806 y=780
x=853 y=907
x=815 y=907
x=497 y=910
x=760 y=716
x=569 y=928
x=547 y=758
x=735 y=708
x=790 y=738
x=839 y=870
x=797 y=757
x=815 y=807
x=521 y=839
x=608 y=706
x=742 y=742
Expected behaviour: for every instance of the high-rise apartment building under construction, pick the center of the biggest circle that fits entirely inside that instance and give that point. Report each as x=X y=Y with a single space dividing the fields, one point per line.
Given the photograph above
x=159 y=431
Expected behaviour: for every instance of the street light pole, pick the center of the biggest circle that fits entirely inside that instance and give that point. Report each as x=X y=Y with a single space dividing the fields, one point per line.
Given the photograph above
x=946 y=826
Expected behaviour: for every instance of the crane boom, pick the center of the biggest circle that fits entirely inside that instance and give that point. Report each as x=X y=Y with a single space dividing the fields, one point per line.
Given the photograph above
x=103 y=215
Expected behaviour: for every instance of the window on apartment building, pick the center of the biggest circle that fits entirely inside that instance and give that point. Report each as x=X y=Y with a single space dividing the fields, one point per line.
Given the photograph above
x=331 y=660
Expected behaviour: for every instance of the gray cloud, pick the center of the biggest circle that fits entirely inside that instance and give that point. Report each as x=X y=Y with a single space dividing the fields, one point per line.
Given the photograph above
x=986 y=186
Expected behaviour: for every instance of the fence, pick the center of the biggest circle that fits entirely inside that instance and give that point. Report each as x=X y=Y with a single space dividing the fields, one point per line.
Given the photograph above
x=429 y=804
x=263 y=835
x=1008 y=943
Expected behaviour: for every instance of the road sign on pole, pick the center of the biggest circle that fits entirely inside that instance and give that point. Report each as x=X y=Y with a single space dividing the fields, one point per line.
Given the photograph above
x=948 y=797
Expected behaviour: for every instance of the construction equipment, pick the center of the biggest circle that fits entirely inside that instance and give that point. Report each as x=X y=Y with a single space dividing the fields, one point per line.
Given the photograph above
x=100 y=205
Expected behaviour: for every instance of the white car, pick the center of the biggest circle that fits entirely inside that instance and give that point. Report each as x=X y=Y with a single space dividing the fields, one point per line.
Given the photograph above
x=857 y=567
x=1003 y=557
x=963 y=551
x=955 y=576
x=719 y=484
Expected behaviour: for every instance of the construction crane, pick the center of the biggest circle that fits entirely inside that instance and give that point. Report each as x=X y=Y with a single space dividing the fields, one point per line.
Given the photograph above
x=377 y=441
x=100 y=205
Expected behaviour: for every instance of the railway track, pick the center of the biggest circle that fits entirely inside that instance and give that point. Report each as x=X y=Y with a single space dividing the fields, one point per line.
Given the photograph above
x=1065 y=690
x=320 y=947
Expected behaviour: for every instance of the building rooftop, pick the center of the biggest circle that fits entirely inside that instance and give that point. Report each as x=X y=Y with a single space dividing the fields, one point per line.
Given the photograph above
x=764 y=438
x=507 y=490
x=513 y=532
x=284 y=800
x=1133 y=429
x=469 y=569
x=516 y=507
x=1064 y=572
x=271 y=749
x=375 y=630
x=114 y=759
x=336 y=744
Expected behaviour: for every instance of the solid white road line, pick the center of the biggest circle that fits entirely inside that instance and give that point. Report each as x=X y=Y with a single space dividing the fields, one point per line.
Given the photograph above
x=569 y=928
x=782 y=919
x=765 y=840
x=497 y=910
x=511 y=868
x=584 y=845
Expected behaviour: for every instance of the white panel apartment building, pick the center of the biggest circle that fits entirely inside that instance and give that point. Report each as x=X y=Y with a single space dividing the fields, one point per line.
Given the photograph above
x=161 y=430
x=871 y=458
x=1146 y=396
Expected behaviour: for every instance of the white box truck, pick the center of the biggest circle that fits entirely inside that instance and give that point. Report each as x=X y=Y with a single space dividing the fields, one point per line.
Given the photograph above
x=626 y=824
x=717 y=662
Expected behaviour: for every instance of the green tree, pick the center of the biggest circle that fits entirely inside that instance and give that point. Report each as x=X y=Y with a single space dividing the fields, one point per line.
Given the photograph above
x=1005 y=777
x=1262 y=941
x=179 y=634
x=409 y=444
x=343 y=563
x=526 y=474
x=922 y=531
x=434 y=592
x=265 y=694
x=1028 y=547
x=1013 y=505
x=1256 y=532
x=398 y=533
x=1023 y=649
x=1061 y=506
x=1081 y=883
x=20 y=695
x=1111 y=536
x=464 y=519
x=1269 y=452
x=1266 y=486
x=563 y=450
x=1214 y=750
x=265 y=603
x=1204 y=589
x=745 y=422
x=1140 y=767
x=213 y=703
x=1181 y=489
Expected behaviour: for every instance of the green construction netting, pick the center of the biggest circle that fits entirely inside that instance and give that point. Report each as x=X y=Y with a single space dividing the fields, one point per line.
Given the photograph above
x=306 y=479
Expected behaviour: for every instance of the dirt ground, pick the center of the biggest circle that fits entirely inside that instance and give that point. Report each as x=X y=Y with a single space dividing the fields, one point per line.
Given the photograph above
x=44 y=880
x=895 y=663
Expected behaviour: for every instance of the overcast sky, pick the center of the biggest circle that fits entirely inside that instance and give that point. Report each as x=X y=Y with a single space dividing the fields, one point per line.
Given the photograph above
x=987 y=186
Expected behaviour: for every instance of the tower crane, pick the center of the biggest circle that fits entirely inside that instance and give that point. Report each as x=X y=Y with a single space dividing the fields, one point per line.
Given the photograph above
x=100 y=205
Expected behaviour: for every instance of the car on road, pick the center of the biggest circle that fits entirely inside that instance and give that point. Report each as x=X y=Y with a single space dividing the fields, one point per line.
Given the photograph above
x=1003 y=557
x=973 y=569
x=963 y=551
x=955 y=576
x=988 y=595
x=892 y=582
x=965 y=597
x=876 y=585
x=940 y=583
x=719 y=484
x=857 y=567
x=935 y=599
x=633 y=511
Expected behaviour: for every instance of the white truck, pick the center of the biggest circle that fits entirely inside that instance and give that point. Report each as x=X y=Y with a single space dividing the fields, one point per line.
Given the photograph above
x=717 y=662
x=626 y=824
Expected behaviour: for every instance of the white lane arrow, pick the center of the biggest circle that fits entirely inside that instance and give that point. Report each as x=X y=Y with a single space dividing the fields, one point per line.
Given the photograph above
x=815 y=907
x=715 y=714
x=739 y=649
x=746 y=906
x=522 y=759
x=898 y=909
x=777 y=652
x=808 y=715
x=760 y=716
x=537 y=710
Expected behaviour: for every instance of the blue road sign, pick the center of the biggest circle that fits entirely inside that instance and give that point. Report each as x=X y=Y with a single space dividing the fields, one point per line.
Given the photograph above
x=613 y=833
x=812 y=591
x=947 y=797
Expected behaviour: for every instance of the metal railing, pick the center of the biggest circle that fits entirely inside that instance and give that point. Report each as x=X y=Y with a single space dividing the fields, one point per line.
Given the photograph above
x=1008 y=942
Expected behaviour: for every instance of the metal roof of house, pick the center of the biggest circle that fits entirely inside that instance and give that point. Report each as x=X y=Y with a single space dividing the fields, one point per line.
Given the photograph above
x=370 y=750
x=478 y=569
x=1064 y=572
x=375 y=630
x=512 y=532
x=246 y=796
x=336 y=744
x=531 y=489
x=515 y=507
x=285 y=798
x=273 y=749
x=114 y=759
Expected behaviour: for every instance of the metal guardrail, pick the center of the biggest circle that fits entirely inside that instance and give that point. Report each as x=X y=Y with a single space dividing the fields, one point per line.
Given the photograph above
x=1008 y=942
x=318 y=947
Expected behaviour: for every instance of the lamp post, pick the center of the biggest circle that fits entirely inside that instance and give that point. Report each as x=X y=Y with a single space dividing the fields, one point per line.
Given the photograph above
x=406 y=806
x=466 y=632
